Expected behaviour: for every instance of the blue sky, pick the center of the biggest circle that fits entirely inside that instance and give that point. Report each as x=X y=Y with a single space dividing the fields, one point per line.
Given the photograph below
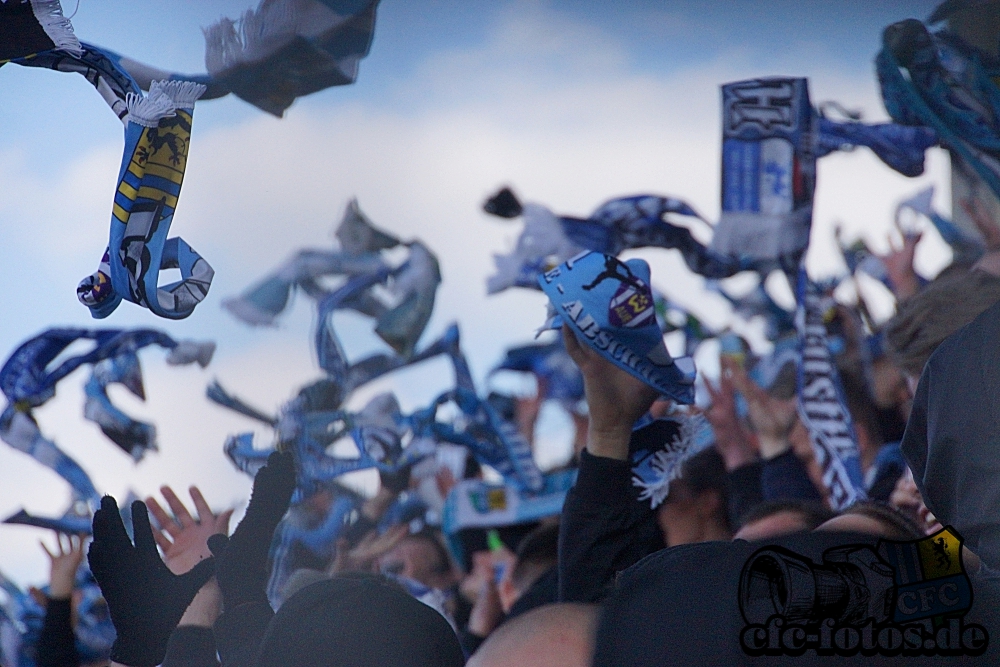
x=571 y=102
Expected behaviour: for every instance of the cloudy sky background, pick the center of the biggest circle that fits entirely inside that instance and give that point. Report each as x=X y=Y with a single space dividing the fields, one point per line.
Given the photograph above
x=571 y=102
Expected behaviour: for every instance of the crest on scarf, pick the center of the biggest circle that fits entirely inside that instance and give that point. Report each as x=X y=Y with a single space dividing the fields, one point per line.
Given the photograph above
x=929 y=577
x=632 y=305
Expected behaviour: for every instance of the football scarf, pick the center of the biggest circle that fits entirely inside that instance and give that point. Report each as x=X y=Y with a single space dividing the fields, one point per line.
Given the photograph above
x=70 y=523
x=658 y=449
x=859 y=258
x=157 y=136
x=473 y=503
x=609 y=306
x=619 y=224
x=28 y=382
x=134 y=437
x=289 y=48
x=938 y=81
x=414 y=285
x=400 y=321
x=492 y=440
x=768 y=171
x=821 y=402
x=102 y=68
x=312 y=421
x=28 y=28
x=967 y=248
x=899 y=146
x=557 y=375
x=269 y=57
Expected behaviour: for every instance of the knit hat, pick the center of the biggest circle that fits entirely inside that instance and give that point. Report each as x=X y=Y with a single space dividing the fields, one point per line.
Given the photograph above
x=355 y=621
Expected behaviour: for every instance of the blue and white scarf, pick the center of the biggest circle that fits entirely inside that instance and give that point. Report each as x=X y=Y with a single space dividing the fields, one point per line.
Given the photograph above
x=28 y=382
x=400 y=320
x=768 y=171
x=157 y=137
x=821 y=402
x=289 y=48
x=558 y=376
x=619 y=224
x=899 y=146
x=659 y=448
x=967 y=247
x=28 y=28
x=935 y=80
x=269 y=57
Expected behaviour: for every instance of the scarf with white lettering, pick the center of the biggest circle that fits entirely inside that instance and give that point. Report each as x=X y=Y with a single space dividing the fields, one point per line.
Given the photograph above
x=270 y=56
x=768 y=171
x=822 y=407
x=609 y=306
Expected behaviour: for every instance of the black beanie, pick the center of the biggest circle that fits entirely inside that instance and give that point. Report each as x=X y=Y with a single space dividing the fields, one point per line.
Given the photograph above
x=355 y=621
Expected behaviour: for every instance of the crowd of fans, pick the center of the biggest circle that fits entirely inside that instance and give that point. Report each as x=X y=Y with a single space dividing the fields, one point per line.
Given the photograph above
x=610 y=581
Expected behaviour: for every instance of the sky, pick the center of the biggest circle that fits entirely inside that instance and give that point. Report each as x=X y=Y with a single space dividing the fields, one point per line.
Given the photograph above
x=570 y=102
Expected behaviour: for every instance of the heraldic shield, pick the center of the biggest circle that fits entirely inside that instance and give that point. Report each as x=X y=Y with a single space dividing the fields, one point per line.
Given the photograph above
x=930 y=579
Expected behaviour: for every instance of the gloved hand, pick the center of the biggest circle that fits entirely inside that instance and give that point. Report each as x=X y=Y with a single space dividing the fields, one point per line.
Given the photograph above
x=241 y=560
x=396 y=481
x=145 y=599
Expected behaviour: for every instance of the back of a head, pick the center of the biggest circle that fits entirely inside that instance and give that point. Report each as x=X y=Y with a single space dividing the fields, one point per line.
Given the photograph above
x=556 y=635
x=946 y=305
x=780 y=517
x=357 y=621
x=706 y=471
x=536 y=553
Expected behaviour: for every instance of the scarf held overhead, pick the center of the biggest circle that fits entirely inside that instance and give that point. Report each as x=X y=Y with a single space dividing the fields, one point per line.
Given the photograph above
x=821 y=403
x=157 y=136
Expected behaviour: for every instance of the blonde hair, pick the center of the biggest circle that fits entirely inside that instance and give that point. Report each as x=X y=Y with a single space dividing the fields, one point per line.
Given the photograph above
x=943 y=307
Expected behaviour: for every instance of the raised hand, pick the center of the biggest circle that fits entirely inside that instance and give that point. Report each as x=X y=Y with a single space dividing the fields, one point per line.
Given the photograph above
x=182 y=538
x=899 y=265
x=63 y=564
x=615 y=399
x=736 y=444
x=242 y=559
x=145 y=599
x=772 y=418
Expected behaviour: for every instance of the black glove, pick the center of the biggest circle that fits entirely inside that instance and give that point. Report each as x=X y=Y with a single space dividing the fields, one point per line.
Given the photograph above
x=145 y=599
x=241 y=560
x=396 y=481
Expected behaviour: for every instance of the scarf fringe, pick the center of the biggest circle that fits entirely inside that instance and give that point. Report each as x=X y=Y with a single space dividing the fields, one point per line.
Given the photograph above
x=148 y=110
x=182 y=93
x=50 y=17
x=229 y=43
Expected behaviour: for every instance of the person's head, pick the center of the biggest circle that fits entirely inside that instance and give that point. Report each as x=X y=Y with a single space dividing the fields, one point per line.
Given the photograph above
x=421 y=557
x=781 y=517
x=697 y=507
x=536 y=554
x=950 y=302
x=872 y=518
x=355 y=621
x=555 y=635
